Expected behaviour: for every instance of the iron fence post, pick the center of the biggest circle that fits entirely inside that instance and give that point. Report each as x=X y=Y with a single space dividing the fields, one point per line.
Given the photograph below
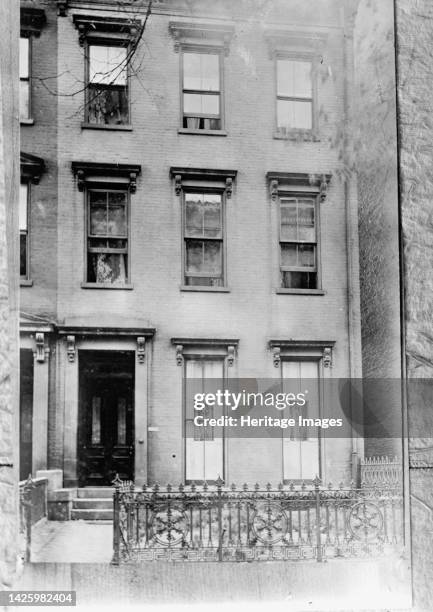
x=317 y=483
x=116 y=523
x=219 y=483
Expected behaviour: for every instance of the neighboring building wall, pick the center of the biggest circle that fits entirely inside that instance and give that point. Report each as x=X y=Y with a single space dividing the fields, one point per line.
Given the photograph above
x=376 y=162
x=414 y=37
x=9 y=376
x=39 y=137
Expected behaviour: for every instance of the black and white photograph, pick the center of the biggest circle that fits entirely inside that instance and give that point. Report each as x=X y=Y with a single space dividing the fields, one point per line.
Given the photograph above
x=216 y=304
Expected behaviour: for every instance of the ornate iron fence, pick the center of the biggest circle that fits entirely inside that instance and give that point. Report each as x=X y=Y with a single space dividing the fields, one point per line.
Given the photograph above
x=381 y=472
x=214 y=523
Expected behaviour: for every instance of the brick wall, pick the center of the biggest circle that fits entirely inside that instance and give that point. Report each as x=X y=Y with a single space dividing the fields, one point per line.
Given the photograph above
x=251 y=311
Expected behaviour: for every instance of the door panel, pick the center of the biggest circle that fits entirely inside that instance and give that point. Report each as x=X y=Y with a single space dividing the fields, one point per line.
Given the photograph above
x=106 y=430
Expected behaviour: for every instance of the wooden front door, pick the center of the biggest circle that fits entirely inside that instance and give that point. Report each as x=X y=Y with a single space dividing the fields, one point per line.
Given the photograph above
x=106 y=434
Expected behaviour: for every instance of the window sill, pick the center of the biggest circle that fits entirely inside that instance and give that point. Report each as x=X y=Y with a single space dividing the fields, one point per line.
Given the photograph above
x=127 y=286
x=281 y=290
x=26 y=282
x=202 y=132
x=297 y=135
x=205 y=289
x=105 y=126
x=27 y=121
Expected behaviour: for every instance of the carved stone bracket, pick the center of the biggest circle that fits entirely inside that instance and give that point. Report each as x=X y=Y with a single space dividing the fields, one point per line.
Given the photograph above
x=273 y=187
x=327 y=357
x=41 y=351
x=62 y=7
x=230 y=355
x=81 y=183
x=71 y=350
x=229 y=187
x=141 y=350
x=323 y=188
x=178 y=184
x=179 y=354
x=133 y=182
x=276 y=356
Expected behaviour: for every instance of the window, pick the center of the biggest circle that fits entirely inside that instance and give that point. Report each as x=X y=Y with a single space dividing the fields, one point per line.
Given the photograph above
x=107 y=237
x=294 y=94
x=299 y=198
x=24 y=60
x=298 y=243
x=201 y=94
x=107 y=42
x=301 y=454
x=107 y=90
x=203 y=239
x=107 y=189
x=24 y=233
x=203 y=195
x=202 y=48
x=204 y=450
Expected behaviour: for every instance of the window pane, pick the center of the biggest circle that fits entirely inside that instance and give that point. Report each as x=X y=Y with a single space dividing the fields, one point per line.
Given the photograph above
x=203 y=105
x=117 y=214
x=23 y=254
x=24 y=58
x=107 y=105
x=306 y=255
x=212 y=257
x=299 y=280
x=294 y=78
x=294 y=114
x=210 y=72
x=212 y=216
x=201 y=71
x=107 y=268
x=289 y=255
x=98 y=213
x=289 y=219
x=298 y=255
x=306 y=229
x=121 y=421
x=194 y=256
x=23 y=206
x=24 y=99
x=96 y=420
x=204 y=257
x=107 y=65
x=193 y=214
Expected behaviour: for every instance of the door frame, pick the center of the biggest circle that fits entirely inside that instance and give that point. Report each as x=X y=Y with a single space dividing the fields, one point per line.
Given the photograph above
x=76 y=340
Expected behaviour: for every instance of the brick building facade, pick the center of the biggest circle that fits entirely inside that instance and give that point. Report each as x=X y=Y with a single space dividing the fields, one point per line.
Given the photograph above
x=186 y=217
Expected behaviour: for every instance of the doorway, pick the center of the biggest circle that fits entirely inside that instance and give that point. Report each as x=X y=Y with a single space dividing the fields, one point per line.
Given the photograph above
x=106 y=417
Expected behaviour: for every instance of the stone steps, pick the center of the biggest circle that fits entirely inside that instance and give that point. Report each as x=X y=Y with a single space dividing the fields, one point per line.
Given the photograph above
x=95 y=492
x=93 y=504
x=81 y=503
x=91 y=514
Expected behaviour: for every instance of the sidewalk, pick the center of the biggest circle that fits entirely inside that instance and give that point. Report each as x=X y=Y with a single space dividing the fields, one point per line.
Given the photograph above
x=72 y=542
